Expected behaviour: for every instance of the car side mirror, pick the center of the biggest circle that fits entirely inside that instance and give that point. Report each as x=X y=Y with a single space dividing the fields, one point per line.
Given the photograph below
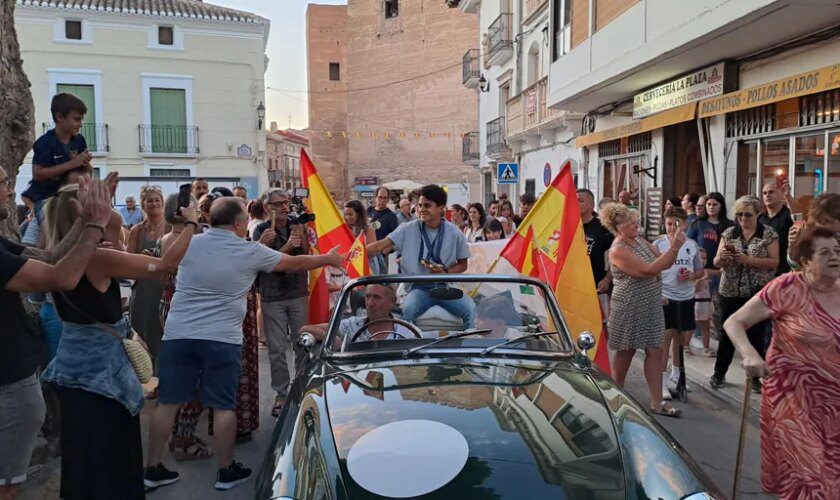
x=306 y=340
x=585 y=341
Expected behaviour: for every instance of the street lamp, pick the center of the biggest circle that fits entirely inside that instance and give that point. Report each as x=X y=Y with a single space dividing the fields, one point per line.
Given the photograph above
x=483 y=84
x=260 y=115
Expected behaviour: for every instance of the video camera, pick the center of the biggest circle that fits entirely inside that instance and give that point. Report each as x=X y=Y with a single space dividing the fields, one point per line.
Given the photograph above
x=297 y=210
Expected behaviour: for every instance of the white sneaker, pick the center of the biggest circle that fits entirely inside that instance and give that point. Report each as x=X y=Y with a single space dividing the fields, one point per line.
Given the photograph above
x=666 y=394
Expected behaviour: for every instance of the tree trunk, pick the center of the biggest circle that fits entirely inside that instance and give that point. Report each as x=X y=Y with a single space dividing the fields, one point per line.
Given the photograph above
x=17 y=118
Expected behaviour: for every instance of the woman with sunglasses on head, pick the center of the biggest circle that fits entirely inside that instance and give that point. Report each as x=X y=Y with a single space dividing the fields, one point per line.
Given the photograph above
x=747 y=256
x=101 y=396
x=144 y=306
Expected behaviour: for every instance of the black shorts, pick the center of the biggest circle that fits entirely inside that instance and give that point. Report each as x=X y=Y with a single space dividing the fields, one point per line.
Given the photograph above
x=679 y=315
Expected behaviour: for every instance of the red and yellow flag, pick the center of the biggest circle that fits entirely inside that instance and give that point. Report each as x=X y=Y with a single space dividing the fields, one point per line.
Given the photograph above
x=357 y=263
x=550 y=244
x=331 y=230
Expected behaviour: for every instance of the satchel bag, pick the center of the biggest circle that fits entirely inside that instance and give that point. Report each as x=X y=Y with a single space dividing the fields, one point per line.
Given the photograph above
x=137 y=354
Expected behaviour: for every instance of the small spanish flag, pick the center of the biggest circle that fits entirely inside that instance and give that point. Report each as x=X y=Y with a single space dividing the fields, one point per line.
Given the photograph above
x=357 y=265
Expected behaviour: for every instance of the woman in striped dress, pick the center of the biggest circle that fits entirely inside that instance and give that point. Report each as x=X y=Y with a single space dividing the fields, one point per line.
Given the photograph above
x=636 y=320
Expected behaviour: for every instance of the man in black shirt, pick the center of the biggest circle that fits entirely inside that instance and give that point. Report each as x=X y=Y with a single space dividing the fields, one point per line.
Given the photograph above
x=285 y=296
x=778 y=217
x=598 y=240
x=22 y=407
x=382 y=219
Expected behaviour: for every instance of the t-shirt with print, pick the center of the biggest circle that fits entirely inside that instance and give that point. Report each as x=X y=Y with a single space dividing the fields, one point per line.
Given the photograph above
x=408 y=241
x=47 y=152
x=598 y=242
x=707 y=235
x=21 y=351
x=213 y=282
x=384 y=222
x=687 y=258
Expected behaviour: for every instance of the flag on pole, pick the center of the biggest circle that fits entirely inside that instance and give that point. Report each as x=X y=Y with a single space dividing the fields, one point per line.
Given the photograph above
x=550 y=244
x=331 y=231
x=357 y=263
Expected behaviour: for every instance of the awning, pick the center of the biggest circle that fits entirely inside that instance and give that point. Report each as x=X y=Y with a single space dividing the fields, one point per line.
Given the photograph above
x=679 y=114
x=811 y=82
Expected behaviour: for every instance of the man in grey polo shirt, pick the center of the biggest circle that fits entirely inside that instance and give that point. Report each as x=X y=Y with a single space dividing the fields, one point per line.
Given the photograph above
x=430 y=245
x=202 y=341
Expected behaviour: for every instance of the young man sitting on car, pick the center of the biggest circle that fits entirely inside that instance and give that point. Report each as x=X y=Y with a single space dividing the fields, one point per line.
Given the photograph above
x=430 y=245
x=379 y=302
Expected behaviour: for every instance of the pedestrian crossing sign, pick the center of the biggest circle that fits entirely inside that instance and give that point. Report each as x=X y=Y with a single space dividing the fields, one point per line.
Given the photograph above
x=507 y=173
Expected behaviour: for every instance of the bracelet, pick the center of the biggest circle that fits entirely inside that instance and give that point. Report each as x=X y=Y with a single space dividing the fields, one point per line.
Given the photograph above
x=94 y=225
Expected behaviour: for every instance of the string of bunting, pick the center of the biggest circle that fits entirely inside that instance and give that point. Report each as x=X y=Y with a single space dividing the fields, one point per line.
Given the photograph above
x=372 y=134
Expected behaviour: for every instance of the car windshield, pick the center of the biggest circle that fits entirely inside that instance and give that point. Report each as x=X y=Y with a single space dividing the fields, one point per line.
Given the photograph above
x=415 y=318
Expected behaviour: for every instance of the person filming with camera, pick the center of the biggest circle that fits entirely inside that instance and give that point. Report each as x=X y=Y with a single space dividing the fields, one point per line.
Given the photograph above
x=285 y=295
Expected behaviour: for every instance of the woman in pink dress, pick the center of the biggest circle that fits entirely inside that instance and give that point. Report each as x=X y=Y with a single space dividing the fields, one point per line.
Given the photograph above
x=800 y=406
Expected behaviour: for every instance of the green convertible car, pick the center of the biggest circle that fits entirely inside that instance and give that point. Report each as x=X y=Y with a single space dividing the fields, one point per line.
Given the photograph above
x=483 y=395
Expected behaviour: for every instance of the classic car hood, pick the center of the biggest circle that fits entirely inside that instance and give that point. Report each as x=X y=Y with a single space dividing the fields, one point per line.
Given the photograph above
x=532 y=430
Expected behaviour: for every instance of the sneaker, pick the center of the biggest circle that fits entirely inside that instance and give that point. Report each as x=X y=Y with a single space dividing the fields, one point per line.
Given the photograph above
x=716 y=382
x=159 y=475
x=232 y=475
x=666 y=394
x=756 y=386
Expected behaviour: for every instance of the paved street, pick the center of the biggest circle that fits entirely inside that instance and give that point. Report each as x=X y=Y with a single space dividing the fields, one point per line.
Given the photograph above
x=708 y=430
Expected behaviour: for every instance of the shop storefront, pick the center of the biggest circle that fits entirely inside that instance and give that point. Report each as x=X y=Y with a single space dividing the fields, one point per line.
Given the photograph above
x=785 y=128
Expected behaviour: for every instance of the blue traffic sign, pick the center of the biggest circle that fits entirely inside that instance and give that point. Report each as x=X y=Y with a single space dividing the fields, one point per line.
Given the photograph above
x=507 y=173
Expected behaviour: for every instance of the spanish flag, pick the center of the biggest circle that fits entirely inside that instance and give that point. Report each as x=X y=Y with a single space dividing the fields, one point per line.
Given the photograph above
x=357 y=263
x=550 y=244
x=331 y=230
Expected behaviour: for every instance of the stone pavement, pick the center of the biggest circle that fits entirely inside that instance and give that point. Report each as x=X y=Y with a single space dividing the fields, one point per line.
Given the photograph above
x=699 y=368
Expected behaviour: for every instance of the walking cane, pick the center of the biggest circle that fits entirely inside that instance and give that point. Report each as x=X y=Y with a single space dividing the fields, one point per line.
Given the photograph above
x=741 y=437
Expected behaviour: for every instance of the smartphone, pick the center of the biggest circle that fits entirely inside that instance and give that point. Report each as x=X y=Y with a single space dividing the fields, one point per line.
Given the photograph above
x=184 y=195
x=781 y=178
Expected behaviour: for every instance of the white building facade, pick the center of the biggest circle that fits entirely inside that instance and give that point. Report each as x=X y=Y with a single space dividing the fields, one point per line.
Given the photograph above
x=709 y=95
x=172 y=94
x=509 y=70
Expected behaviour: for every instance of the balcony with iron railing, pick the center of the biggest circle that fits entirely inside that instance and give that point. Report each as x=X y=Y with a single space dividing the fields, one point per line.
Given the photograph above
x=95 y=134
x=529 y=118
x=470 y=148
x=496 y=145
x=168 y=139
x=500 y=40
x=471 y=69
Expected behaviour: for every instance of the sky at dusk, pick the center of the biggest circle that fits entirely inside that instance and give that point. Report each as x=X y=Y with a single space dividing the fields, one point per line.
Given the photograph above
x=286 y=52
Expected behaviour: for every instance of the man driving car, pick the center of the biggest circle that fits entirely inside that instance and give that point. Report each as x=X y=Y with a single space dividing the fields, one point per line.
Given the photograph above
x=379 y=302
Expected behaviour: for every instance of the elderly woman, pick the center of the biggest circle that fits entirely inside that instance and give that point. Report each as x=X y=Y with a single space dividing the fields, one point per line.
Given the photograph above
x=636 y=319
x=801 y=400
x=144 y=308
x=747 y=256
x=101 y=397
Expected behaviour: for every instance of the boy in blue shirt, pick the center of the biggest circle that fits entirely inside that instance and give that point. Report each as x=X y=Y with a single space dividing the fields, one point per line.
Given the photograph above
x=59 y=151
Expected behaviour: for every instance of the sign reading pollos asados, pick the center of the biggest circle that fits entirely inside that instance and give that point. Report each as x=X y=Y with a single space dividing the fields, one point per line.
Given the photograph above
x=707 y=82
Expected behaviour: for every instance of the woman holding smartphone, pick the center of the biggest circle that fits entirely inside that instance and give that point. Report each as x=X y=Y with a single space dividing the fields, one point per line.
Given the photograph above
x=748 y=257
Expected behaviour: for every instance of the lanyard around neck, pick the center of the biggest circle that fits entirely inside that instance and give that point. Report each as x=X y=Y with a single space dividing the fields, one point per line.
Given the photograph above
x=435 y=246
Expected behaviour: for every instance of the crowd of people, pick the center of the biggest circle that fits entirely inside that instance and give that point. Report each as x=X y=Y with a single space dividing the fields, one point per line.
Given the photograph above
x=770 y=280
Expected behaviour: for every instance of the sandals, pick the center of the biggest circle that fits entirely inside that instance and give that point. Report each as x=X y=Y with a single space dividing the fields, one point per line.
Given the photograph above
x=278 y=407
x=196 y=450
x=666 y=410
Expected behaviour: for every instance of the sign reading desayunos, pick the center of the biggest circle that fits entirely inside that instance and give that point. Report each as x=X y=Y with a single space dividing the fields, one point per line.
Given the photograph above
x=818 y=80
x=698 y=85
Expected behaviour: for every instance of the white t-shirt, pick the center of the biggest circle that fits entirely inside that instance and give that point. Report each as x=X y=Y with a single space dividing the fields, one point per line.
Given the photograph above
x=214 y=277
x=688 y=258
x=352 y=324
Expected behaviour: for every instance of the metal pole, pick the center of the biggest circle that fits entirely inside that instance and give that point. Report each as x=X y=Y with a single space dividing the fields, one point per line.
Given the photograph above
x=741 y=438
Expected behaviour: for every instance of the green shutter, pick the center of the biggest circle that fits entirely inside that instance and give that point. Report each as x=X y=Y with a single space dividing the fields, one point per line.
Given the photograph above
x=169 y=120
x=86 y=94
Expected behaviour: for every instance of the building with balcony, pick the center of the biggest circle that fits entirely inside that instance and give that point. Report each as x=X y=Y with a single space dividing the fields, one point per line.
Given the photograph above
x=282 y=156
x=172 y=93
x=391 y=95
x=516 y=125
x=700 y=96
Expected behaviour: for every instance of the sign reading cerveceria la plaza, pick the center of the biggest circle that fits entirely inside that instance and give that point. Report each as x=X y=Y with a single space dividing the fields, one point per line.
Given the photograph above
x=698 y=85
x=811 y=82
